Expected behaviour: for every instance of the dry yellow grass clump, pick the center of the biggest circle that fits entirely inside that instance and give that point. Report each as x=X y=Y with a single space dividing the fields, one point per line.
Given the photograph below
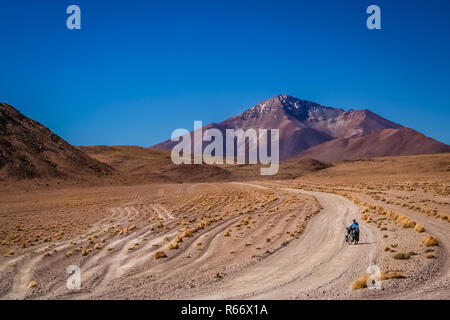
x=430 y=241
x=32 y=284
x=187 y=233
x=160 y=254
x=419 y=228
x=173 y=245
x=9 y=253
x=361 y=282
x=385 y=275
x=405 y=222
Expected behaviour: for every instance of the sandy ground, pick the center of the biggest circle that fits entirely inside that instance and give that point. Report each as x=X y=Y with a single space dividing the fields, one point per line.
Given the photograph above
x=260 y=240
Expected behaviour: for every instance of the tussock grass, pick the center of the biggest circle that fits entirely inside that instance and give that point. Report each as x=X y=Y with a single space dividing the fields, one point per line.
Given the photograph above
x=173 y=246
x=430 y=241
x=187 y=233
x=9 y=253
x=402 y=256
x=387 y=275
x=32 y=284
x=160 y=254
x=361 y=282
x=419 y=228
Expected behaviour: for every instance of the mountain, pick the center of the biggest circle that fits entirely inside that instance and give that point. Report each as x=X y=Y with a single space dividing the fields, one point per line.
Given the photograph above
x=303 y=124
x=389 y=142
x=30 y=150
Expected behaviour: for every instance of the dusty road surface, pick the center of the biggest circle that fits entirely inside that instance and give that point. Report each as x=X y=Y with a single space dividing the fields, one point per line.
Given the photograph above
x=207 y=241
x=318 y=265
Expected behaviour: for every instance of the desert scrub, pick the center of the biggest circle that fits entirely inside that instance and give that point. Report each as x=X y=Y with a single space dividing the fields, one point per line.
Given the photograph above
x=419 y=228
x=187 y=233
x=32 y=284
x=430 y=241
x=361 y=283
x=392 y=275
x=9 y=253
x=160 y=254
x=404 y=256
x=173 y=246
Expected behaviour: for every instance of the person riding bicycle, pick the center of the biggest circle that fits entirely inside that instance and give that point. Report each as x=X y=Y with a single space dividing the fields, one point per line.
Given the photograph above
x=354 y=226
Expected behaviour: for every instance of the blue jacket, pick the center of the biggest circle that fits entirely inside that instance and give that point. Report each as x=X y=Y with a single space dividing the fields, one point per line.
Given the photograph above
x=355 y=226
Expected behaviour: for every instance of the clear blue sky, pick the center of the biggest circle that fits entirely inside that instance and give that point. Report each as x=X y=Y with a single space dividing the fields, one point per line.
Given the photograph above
x=139 y=69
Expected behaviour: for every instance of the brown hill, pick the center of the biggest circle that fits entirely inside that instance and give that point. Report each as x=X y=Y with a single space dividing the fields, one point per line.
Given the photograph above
x=302 y=124
x=141 y=165
x=30 y=150
x=388 y=142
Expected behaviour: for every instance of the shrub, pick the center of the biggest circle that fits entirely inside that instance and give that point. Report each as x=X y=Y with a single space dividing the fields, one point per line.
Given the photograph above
x=402 y=256
x=178 y=239
x=392 y=275
x=419 y=228
x=160 y=254
x=187 y=233
x=360 y=283
x=32 y=284
x=173 y=246
x=430 y=241
x=9 y=253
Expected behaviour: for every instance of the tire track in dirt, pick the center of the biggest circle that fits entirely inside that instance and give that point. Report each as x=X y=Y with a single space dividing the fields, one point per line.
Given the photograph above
x=316 y=263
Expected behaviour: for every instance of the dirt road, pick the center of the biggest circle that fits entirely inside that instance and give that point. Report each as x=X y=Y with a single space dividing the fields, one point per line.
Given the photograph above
x=319 y=265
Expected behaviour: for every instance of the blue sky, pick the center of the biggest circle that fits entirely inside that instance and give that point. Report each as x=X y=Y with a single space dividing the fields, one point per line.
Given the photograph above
x=137 y=70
